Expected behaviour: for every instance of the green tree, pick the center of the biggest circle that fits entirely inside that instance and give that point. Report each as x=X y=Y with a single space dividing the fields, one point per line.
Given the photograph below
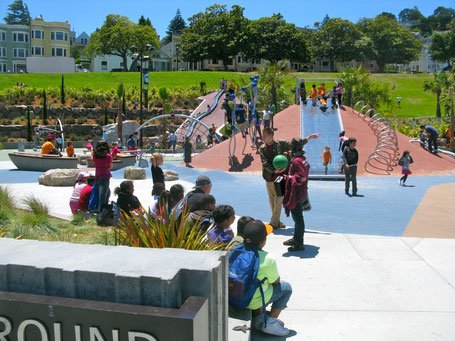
x=213 y=34
x=441 y=81
x=44 y=108
x=442 y=47
x=359 y=87
x=144 y=22
x=410 y=17
x=118 y=35
x=391 y=42
x=441 y=18
x=62 y=91
x=273 y=39
x=341 y=41
x=272 y=80
x=18 y=14
x=176 y=26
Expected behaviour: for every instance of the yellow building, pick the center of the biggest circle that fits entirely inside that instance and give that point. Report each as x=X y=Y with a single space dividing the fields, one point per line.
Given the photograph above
x=49 y=39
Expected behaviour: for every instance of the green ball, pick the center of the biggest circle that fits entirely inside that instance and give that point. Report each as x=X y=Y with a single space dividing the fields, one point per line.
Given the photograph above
x=280 y=161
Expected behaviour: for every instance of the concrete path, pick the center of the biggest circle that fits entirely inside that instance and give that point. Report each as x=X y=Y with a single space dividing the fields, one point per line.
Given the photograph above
x=350 y=287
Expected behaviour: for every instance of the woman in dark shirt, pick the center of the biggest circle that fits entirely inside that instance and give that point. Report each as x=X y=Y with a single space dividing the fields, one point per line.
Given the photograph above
x=157 y=173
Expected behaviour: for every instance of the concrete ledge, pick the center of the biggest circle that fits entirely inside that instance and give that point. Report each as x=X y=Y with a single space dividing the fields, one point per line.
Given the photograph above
x=118 y=274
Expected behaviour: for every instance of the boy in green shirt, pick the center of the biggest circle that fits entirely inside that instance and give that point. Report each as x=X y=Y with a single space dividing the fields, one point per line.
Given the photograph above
x=276 y=292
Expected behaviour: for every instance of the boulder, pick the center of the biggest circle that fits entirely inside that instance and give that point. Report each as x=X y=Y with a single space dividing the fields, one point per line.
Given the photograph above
x=132 y=173
x=170 y=175
x=59 y=177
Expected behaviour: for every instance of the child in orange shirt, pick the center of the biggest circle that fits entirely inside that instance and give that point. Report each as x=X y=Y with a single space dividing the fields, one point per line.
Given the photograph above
x=70 y=149
x=326 y=157
x=313 y=95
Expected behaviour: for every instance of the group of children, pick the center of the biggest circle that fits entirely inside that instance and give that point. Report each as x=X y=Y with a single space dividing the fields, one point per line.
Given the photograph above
x=320 y=95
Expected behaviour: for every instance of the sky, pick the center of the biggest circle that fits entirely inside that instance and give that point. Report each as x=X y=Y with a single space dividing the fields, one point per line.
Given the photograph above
x=87 y=15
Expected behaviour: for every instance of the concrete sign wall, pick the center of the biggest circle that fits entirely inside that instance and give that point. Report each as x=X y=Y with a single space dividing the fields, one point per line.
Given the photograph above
x=117 y=274
x=42 y=318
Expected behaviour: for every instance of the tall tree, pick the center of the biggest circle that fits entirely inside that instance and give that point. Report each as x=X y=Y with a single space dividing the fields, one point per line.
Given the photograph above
x=144 y=22
x=441 y=81
x=273 y=39
x=441 y=18
x=213 y=34
x=391 y=42
x=442 y=47
x=272 y=80
x=340 y=40
x=118 y=35
x=176 y=26
x=18 y=14
x=410 y=17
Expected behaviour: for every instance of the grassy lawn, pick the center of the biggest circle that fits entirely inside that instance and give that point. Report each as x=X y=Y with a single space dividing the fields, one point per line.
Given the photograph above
x=415 y=102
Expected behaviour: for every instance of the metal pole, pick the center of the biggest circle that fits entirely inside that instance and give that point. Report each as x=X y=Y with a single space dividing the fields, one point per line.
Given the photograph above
x=140 y=106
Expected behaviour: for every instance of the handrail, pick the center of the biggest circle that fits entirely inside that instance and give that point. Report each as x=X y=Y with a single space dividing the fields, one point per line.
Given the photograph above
x=385 y=156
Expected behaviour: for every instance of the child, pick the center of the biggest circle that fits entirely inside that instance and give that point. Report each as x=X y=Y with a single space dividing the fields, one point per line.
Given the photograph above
x=422 y=137
x=126 y=201
x=323 y=107
x=78 y=186
x=404 y=162
x=314 y=94
x=275 y=291
x=115 y=151
x=201 y=206
x=326 y=157
x=257 y=124
x=158 y=188
x=238 y=239
x=156 y=159
x=89 y=145
x=266 y=117
x=70 y=149
x=221 y=232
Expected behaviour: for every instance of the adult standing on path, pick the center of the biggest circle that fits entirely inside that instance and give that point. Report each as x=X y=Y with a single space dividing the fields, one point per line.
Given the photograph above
x=296 y=194
x=268 y=150
x=103 y=164
x=432 y=138
x=350 y=159
x=339 y=91
x=187 y=150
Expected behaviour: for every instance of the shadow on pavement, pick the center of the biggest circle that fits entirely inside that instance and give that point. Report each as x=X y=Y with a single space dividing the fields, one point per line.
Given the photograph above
x=310 y=251
x=246 y=162
x=259 y=336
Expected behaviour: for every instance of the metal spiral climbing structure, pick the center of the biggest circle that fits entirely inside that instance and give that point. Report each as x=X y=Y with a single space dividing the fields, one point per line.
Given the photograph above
x=386 y=153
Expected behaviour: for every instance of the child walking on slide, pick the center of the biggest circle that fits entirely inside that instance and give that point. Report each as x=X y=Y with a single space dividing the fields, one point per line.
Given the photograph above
x=326 y=157
x=404 y=162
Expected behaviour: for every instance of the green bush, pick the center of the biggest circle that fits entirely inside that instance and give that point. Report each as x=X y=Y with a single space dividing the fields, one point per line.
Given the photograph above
x=36 y=206
x=6 y=199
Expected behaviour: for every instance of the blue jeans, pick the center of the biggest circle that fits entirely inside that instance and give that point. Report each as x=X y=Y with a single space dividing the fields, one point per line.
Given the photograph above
x=299 y=227
x=104 y=193
x=281 y=294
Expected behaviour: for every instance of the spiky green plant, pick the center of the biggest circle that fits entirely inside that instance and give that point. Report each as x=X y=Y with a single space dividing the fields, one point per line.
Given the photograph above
x=6 y=199
x=36 y=206
x=44 y=107
x=146 y=230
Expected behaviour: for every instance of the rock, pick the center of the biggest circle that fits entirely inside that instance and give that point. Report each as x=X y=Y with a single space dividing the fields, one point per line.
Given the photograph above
x=132 y=173
x=59 y=177
x=170 y=175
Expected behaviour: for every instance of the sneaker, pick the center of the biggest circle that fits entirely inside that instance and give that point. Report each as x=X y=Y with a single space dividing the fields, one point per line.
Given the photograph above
x=289 y=242
x=273 y=327
x=296 y=247
x=399 y=182
x=347 y=193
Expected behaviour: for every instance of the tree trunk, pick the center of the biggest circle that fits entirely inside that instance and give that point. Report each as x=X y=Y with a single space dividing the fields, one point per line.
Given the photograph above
x=225 y=64
x=438 y=106
x=452 y=122
x=381 y=67
x=274 y=97
x=125 y=63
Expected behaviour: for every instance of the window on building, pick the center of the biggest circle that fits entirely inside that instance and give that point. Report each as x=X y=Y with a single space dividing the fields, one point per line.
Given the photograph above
x=3 y=67
x=3 y=52
x=214 y=61
x=56 y=35
x=37 y=34
x=2 y=36
x=239 y=59
x=38 y=50
x=58 y=52
x=20 y=53
x=103 y=65
x=122 y=64
x=20 y=37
